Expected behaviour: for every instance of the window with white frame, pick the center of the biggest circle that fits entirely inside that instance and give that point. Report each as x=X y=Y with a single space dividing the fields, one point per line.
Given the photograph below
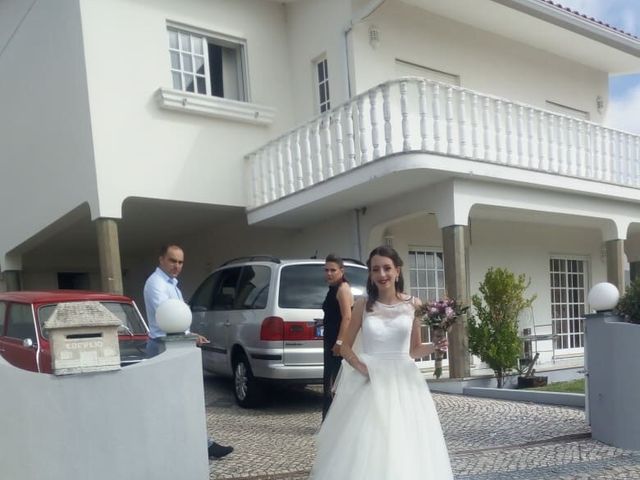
x=426 y=276
x=207 y=64
x=568 y=307
x=322 y=84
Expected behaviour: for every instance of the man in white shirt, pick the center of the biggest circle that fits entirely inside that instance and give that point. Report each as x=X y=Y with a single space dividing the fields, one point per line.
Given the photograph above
x=162 y=285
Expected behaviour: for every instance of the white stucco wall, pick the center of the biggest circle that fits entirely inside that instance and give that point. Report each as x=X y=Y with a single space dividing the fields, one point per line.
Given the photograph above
x=484 y=61
x=145 y=421
x=145 y=151
x=46 y=149
x=315 y=29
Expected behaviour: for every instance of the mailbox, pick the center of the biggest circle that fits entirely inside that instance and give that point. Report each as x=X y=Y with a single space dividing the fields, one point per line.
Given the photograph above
x=84 y=338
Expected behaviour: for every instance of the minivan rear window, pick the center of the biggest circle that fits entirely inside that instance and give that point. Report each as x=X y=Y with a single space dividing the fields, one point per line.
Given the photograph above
x=304 y=286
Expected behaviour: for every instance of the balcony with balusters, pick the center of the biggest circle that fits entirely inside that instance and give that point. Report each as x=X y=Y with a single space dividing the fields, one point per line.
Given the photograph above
x=415 y=115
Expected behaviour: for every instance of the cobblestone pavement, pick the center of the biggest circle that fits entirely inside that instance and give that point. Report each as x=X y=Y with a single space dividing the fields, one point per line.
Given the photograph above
x=487 y=439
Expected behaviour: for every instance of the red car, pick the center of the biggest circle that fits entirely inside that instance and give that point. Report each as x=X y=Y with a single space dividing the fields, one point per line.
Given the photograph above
x=24 y=342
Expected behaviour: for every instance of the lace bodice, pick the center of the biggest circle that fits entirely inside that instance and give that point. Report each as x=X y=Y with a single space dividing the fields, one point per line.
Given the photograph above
x=387 y=329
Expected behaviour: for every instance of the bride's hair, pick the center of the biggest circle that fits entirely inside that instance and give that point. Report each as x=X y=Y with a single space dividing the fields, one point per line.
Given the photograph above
x=372 y=290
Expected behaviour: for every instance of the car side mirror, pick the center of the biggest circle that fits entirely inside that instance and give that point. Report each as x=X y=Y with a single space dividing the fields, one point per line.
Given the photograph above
x=27 y=343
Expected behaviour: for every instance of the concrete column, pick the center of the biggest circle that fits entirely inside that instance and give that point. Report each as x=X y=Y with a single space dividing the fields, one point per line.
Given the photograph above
x=109 y=253
x=12 y=280
x=456 y=273
x=615 y=263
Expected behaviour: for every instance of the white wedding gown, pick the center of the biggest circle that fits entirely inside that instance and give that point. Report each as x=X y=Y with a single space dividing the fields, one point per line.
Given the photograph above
x=385 y=427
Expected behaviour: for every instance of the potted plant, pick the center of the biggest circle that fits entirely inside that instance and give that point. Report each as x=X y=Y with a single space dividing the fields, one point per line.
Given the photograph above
x=527 y=377
x=493 y=327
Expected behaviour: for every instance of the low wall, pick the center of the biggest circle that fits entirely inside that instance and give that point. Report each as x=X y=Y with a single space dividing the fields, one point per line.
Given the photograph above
x=146 y=421
x=535 y=396
x=613 y=386
x=457 y=385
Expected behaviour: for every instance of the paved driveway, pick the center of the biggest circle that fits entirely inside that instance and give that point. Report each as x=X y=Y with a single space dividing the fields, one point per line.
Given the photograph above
x=487 y=439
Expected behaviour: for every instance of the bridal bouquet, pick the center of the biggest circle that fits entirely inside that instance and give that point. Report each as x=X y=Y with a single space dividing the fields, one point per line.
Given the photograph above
x=439 y=316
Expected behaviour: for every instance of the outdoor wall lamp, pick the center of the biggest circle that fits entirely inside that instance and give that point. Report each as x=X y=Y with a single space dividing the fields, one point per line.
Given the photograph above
x=603 y=297
x=173 y=316
x=599 y=103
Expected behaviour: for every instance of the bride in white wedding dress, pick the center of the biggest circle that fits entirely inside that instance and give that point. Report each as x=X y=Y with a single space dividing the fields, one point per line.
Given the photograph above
x=382 y=424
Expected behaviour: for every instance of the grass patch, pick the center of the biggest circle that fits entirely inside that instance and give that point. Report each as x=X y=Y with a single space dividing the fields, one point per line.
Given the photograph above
x=572 y=386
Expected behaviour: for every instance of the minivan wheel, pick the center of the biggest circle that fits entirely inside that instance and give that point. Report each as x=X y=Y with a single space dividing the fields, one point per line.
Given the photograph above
x=247 y=390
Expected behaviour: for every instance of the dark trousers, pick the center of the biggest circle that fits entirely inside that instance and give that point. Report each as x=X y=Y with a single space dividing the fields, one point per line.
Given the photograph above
x=331 y=368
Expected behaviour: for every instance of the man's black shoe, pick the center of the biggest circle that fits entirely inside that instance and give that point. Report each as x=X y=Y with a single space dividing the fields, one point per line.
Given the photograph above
x=218 y=451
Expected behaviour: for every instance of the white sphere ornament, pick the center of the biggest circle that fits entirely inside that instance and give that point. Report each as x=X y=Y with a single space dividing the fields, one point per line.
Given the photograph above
x=603 y=296
x=173 y=316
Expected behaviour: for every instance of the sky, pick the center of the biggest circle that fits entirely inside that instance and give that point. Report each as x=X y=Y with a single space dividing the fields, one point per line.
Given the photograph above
x=624 y=90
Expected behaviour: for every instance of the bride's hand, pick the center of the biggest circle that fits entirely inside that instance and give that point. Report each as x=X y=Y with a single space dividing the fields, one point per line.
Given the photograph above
x=362 y=368
x=357 y=364
x=442 y=345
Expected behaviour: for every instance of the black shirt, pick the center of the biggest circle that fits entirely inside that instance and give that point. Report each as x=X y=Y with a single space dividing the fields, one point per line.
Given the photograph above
x=332 y=315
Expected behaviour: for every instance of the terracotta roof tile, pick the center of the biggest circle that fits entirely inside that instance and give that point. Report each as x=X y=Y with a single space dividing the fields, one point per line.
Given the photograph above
x=591 y=19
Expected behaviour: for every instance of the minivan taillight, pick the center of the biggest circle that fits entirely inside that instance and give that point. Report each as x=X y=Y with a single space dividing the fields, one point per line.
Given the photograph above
x=276 y=329
x=272 y=329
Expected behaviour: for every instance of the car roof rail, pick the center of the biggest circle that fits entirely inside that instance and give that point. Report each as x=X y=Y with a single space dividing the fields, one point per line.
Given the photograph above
x=252 y=258
x=353 y=260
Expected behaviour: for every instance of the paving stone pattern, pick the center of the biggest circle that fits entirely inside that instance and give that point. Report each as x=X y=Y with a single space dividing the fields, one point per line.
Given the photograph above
x=487 y=439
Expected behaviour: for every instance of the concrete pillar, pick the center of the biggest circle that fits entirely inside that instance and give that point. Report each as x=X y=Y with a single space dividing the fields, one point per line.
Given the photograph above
x=615 y=263
x=456 y=273
x=12 y=280
x=109 y=253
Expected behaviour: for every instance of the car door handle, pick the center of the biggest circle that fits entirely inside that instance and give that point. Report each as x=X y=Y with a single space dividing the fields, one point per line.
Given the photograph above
x=227 y=324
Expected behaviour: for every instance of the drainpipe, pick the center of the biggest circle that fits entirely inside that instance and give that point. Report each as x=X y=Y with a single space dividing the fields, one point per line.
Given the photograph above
x=361 y=16
x=356 y=226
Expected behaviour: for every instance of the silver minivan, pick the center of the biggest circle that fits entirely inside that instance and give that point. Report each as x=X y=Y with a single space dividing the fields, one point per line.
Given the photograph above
x=263 y=317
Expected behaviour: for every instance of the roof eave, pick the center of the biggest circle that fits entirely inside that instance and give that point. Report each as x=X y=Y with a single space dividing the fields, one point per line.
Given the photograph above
x=570 y=21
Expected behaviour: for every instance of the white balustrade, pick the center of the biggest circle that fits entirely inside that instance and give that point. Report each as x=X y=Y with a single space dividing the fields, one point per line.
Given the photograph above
x=307 y=154
x=386 y=111
x=436 y=116
x=475 y=140
x=337 y=124
x=288 y=157
x=486 y=122
x=405 y=115
x=328 y=161
x=319 y=167
x=422 y=95
x=351 y=146
x=375 y=136
x=404 y=112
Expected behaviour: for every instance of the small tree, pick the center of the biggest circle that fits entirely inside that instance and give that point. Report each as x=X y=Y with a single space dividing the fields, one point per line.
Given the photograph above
x=629 y=305
x=493 y=328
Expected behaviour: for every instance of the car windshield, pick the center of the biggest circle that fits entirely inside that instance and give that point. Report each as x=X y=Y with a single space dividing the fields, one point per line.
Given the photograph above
x=304 y=286
x=129 y=317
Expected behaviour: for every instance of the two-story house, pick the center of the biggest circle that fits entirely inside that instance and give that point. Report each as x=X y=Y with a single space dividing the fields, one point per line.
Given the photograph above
x=466 y=133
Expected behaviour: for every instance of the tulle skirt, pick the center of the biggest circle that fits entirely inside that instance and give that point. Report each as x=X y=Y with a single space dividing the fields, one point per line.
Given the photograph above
x=382 y=428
